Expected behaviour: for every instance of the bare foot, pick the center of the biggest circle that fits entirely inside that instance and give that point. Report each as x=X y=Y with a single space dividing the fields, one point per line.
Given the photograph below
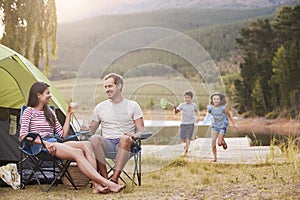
x=100 y=189
x=215 y=160
x=114 y=187
x=185 y=154
x=113 y=180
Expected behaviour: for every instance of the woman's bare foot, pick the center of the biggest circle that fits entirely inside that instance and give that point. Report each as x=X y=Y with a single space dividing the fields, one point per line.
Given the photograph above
x=113 y=180
x=114 y=187
x=100 y=189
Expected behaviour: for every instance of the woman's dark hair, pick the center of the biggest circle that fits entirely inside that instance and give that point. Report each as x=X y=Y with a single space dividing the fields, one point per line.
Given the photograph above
x=33 y=101
x=222 y=98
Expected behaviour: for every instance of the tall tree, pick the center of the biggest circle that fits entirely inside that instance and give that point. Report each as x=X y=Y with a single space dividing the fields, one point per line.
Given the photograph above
x=287 y=26
x=30 y=29
x=286 y=61
x=280 y=76
x=256 y=71
x=271 y=69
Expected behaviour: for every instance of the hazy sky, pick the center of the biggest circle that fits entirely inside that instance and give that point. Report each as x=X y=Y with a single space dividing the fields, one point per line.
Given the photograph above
x=69 y=10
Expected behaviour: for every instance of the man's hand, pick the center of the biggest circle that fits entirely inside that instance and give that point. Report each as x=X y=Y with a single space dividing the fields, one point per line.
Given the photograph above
x=133 y=136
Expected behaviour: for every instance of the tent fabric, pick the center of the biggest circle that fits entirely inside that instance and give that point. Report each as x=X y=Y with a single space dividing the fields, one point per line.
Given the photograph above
x=17 y=75
x=22 y=75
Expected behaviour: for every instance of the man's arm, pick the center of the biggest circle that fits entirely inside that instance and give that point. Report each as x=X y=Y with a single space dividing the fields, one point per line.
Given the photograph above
x=140 y=128
x=93 y=126
x=139 y=124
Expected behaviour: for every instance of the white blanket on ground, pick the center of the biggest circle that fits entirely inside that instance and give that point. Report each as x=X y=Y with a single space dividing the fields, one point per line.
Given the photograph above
x=9 y=174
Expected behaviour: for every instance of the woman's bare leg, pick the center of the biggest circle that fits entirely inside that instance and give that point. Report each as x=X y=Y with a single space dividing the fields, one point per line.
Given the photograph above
x=88 y=152
x=87 y=149
x=66 y=152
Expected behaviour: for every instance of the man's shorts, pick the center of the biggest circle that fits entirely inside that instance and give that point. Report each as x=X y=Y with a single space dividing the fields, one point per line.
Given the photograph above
x=112 y=145
x=186 y=131
x=220 y=130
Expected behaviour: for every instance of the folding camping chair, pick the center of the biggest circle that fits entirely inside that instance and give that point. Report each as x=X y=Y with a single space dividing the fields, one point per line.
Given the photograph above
x=37 y=157
x=136 y=154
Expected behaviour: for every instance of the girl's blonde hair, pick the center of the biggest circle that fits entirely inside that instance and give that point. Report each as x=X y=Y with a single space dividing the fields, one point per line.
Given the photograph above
x=222 y=98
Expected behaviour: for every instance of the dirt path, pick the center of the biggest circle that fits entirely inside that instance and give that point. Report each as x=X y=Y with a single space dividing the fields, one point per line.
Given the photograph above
x=239 y=151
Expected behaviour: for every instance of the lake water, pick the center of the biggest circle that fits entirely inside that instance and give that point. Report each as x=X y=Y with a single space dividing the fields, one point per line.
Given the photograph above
x=167 y=132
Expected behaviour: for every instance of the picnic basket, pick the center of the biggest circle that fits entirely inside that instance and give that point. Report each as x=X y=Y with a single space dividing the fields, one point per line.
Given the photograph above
x=80 y=180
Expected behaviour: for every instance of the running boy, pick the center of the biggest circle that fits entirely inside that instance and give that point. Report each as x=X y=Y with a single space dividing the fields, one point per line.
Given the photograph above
x=188 y=119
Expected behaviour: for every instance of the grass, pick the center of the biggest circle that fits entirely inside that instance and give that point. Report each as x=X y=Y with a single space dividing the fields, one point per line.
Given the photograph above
x=198 y=179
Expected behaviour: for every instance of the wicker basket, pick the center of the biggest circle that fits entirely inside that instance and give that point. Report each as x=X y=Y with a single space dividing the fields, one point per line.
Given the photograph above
x=80 y=180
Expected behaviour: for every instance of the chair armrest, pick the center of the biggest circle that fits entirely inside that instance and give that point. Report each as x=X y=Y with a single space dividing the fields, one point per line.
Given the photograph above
x=68 y=138
x=28 y=139
x=83 y=134
x=27 y=142
x=146 y=135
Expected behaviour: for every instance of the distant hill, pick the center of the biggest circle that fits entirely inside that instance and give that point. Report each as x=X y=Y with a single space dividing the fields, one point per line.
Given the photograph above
x=117 y=7
x=150 y=5
x=77 y=39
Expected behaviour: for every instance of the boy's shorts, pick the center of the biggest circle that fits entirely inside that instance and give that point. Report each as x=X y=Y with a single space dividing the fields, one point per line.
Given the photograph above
x=186 y=131
x=220 y=130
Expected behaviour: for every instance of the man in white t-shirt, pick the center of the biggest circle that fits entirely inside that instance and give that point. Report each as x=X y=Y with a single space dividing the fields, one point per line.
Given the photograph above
x=121 y=123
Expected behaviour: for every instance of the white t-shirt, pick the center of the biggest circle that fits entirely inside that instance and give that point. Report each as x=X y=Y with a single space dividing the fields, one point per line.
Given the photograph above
x=187 y=113
x=117 y=119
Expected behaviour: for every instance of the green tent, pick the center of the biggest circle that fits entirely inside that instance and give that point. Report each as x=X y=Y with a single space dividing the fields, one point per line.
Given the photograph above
x=17 y=75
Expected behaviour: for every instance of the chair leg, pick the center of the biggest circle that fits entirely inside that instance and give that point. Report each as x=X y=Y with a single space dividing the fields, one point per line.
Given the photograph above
x=136 y=172
x=139 y=171
x=20 y=164
x=111 y=169
x=64 y=172
x=35 y=167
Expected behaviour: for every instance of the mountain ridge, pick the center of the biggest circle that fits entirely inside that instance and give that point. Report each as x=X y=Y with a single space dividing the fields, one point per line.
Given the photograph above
x=138 y=6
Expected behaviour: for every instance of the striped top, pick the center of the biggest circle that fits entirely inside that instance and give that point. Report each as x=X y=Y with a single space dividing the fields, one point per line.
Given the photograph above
x=35 y=121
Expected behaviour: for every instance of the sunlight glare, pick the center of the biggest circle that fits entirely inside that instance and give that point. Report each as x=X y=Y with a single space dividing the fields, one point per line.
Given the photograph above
x=71 y=10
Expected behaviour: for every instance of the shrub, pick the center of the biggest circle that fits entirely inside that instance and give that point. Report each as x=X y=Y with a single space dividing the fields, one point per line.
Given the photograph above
x=272 y=115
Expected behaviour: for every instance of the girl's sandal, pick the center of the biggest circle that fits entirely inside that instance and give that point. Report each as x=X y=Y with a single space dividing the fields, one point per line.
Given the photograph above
x=224 y=145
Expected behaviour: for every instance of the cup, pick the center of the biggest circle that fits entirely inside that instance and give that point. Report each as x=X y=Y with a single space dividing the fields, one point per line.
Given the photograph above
x=73 y=106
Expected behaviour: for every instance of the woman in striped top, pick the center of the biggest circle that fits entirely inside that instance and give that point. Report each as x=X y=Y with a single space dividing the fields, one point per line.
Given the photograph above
x=39 y=118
